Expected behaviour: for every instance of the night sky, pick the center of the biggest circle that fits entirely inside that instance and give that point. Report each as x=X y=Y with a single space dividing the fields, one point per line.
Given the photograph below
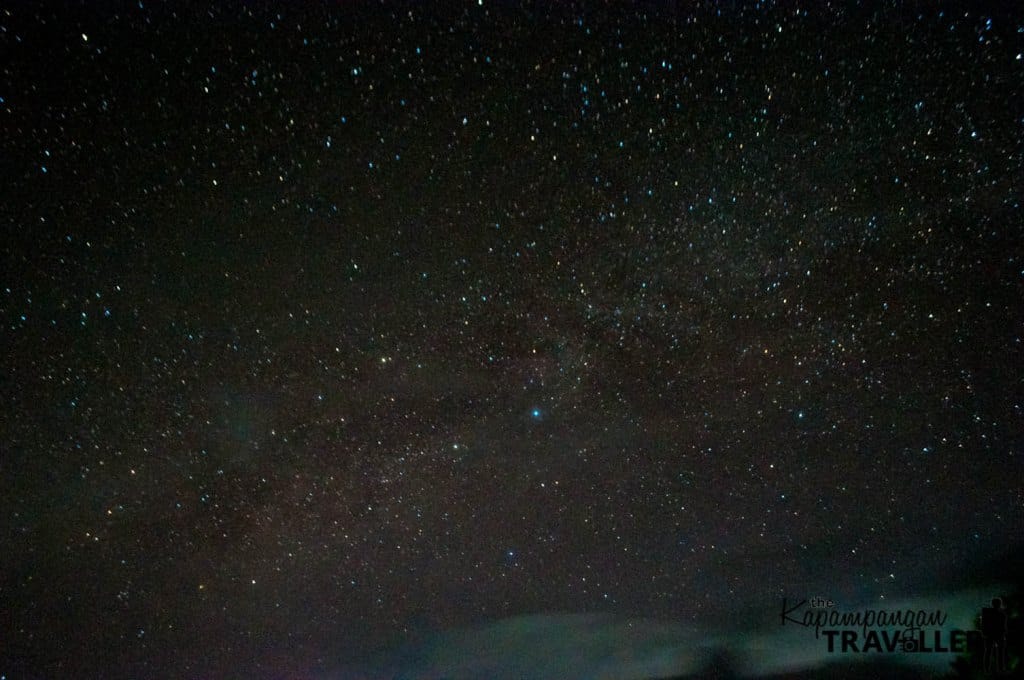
x=332 y=328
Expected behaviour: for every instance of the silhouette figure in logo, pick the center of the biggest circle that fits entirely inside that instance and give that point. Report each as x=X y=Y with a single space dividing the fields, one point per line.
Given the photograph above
x=993 y=628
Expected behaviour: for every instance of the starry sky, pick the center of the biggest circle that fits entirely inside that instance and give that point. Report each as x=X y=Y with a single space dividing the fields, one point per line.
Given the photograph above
x=328 y=327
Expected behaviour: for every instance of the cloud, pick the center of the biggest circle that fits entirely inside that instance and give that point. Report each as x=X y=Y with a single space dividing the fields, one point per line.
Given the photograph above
x=570 y=646
x=564 y=646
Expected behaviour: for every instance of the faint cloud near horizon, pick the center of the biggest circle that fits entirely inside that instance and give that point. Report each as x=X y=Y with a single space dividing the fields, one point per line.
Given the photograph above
x=596 y=647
